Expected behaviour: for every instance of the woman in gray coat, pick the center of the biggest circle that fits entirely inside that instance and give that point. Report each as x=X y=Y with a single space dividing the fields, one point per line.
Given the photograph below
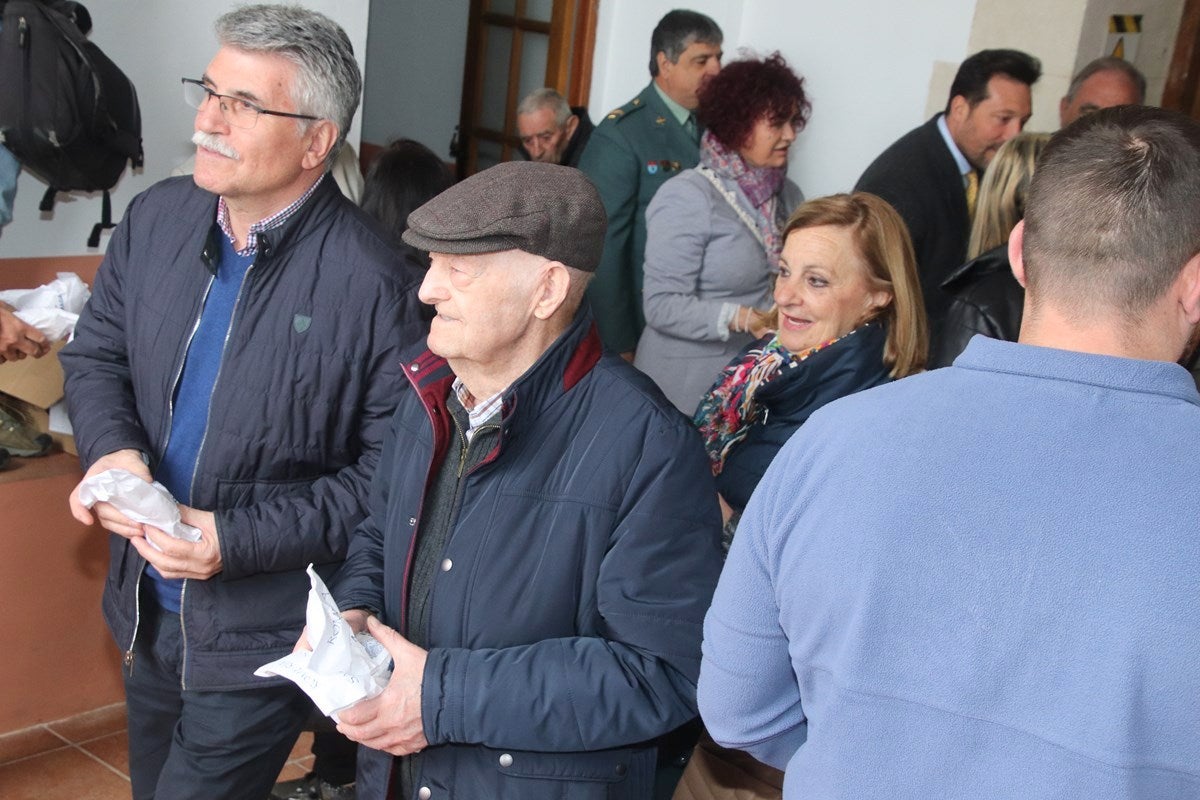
x=712 y=233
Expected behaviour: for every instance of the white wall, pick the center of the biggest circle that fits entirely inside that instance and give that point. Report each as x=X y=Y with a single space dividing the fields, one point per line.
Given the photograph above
x=155 y=42
x=416 y=53
x=867 y=65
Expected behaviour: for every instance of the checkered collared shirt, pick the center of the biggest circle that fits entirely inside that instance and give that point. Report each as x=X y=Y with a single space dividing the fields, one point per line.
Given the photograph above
x=482 y=410
x=273 y=221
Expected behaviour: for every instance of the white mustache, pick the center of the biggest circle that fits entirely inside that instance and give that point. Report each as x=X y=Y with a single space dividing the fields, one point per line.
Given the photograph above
x=211 y=141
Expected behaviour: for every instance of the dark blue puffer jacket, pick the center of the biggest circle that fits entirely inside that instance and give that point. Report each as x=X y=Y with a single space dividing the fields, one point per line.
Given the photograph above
x=584 y=554
x=299 y=411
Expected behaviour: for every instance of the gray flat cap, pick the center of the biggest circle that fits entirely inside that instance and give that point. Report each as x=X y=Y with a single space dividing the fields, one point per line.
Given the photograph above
x=543 y=209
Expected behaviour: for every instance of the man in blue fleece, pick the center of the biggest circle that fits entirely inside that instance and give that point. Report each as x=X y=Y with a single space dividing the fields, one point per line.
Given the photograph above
x=981 y=581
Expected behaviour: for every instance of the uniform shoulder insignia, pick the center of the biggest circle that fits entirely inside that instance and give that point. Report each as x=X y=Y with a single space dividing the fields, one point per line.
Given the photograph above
x=633 y=105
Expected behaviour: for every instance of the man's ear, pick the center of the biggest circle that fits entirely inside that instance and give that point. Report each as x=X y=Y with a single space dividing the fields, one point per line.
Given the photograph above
x=1016 y=260
x=664 y=63
x=553 y=287
x=322 y=135
x=959 y=109
x=571 y=124
x=1189 y=289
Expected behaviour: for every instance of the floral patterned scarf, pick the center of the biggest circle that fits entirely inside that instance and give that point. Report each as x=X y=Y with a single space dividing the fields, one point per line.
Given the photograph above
x=760 y=185
x=728 y=409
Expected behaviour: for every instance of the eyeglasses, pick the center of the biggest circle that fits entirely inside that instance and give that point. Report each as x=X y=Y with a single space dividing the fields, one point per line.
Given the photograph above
x=234 y=110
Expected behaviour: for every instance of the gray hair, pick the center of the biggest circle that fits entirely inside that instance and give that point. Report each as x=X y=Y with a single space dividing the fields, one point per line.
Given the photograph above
x=1109 y=64
x=1113 y=211
x=328 y=82
x=546 y=98
x=677 y=31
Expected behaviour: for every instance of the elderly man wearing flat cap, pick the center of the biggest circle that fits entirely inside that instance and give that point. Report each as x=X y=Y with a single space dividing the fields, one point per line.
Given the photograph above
x=543 y=533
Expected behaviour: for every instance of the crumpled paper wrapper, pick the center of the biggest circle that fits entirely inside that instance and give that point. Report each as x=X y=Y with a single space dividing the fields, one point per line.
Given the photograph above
x=147 y=503
x=343 y=668
x=52 y=308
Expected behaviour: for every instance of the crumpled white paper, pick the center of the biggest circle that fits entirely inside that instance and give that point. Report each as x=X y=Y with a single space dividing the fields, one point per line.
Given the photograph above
x=52 y=308
x=148 y=503
x=343 y=667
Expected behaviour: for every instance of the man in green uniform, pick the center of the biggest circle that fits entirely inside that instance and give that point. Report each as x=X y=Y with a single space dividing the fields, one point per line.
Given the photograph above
x=633 y=152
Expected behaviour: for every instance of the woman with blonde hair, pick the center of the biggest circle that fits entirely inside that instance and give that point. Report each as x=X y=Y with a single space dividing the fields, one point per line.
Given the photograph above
x=848 y=315
x=986 y=298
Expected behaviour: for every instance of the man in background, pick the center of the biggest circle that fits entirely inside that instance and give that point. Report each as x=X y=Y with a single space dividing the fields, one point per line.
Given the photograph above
x=636 y=149
x=931 y=174
x=1105 y=82
x=552 y=131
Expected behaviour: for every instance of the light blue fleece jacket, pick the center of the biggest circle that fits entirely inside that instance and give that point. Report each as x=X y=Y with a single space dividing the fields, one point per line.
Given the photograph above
x=980 y=582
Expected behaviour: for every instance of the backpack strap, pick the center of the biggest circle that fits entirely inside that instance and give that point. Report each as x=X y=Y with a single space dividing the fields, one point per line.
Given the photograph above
x=104 y=223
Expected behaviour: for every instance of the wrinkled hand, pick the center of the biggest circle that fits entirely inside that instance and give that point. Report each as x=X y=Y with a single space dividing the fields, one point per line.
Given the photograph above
x=179 y=559
x=110 y=519
x=355 y=616
x=19 y=339
x=391 y=721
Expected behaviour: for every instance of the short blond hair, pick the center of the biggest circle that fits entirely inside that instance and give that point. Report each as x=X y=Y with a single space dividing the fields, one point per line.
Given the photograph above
x=883 y=242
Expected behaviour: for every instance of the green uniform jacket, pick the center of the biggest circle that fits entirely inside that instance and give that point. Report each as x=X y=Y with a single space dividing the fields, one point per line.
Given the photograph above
x=635 y=150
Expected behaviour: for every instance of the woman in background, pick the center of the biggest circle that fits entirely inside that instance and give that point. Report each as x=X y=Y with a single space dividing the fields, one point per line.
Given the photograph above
x=986 y=298
x=713 y=232
x=403 y=177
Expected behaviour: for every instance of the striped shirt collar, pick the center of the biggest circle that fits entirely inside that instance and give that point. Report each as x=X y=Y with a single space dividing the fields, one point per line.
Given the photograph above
x=273 y=221
x=481 y=412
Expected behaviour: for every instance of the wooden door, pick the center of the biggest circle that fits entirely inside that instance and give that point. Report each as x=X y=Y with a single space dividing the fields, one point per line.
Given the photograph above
x=1182 y=90
x=514 y=47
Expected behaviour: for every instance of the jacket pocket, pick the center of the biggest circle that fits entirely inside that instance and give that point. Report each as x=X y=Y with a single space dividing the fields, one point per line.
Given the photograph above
x=578 y=776
x=242 y=493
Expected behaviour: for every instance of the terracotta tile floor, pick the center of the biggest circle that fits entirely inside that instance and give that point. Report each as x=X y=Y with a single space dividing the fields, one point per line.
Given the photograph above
x=85 y=758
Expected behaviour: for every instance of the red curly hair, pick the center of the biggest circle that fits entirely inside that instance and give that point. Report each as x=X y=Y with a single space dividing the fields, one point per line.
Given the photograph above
x=744 y=91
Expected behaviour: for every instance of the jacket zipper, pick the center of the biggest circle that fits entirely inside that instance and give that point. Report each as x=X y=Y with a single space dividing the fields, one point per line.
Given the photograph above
x=137 y=619
x=137 y=599
x=200 y=454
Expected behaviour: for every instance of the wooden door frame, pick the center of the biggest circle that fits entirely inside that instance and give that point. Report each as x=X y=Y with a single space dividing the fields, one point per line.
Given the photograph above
x=1183 y=77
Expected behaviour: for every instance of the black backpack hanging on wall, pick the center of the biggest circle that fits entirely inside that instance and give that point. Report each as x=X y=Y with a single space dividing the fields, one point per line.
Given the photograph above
x=67 y=112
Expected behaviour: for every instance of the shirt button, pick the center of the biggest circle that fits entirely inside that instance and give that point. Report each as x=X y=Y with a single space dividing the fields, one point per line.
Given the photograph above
x=415 y=368
x=447 y=565
x=424 y=793
x=412 y=520
x=506 y=760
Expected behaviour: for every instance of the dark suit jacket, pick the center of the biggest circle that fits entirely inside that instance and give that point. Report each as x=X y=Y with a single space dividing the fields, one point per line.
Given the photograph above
x=918 y=175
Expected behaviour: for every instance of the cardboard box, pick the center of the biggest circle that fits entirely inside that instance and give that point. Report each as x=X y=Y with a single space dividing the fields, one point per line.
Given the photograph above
x=32 y=386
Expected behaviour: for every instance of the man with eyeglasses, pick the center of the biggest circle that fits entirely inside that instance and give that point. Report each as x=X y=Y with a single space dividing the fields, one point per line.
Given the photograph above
x=240 y=349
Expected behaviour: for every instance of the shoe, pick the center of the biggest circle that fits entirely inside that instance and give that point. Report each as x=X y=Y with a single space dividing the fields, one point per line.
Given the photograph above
x=310 y=787
x=18 y=437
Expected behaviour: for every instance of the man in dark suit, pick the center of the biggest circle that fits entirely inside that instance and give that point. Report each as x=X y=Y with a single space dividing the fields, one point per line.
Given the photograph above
x=633 y=152
x=551 y=130
x=931 y=174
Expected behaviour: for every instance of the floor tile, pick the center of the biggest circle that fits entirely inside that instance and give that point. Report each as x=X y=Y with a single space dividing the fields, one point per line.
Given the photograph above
x=91 y=724
x=66 y=774
x=28 y=742
x=303 y=746
x=112 y=750
x=291 y=771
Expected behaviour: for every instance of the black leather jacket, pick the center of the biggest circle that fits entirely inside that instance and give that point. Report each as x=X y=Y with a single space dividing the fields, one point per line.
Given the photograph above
x=985 y=298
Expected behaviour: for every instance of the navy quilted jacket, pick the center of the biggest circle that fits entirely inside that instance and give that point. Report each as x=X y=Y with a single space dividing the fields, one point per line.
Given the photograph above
x=566 y=633
x=299 y=411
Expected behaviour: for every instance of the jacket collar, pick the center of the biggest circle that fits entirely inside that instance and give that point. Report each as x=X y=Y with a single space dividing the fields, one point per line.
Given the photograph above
x=275 y=241
x=563 y=365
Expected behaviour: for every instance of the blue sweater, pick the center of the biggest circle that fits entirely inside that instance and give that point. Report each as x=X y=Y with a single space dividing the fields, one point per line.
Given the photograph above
x=979 y=582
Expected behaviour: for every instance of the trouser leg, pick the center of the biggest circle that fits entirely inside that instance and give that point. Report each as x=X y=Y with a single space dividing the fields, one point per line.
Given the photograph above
x=334 y=757
x=153 y=697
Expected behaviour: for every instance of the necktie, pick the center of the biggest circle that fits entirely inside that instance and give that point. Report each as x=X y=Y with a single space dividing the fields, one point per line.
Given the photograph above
x=691 y=128
x=972 y=189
